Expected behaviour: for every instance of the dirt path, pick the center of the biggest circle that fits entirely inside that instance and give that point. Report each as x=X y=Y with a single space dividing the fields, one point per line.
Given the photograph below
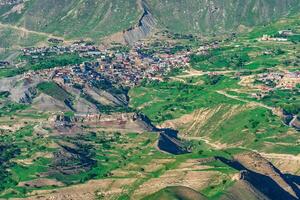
x=245 y=101
x=29 y=31
x=194 y=72
x=178 y=79
x=206 y=141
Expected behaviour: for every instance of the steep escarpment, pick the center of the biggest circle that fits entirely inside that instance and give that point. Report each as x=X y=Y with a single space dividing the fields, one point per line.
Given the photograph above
x=290 y=118
x=144 y=27
x=259 y=175
x=21 y=89
x=295 y=122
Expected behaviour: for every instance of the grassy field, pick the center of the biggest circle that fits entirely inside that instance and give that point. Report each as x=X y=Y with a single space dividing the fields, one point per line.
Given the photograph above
x=162 y=101
x=11 y=38
x=99 y=155
x=249 y=126
x=242 y=58
x=106 y=150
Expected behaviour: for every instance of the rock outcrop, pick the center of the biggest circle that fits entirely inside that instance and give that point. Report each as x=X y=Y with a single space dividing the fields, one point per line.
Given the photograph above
x=295 y=123
x=144 y=27
x=127 y=122
x=22 y=89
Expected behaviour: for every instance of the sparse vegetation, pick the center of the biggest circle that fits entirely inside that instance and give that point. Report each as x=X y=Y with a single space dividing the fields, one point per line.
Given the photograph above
x=162 y=101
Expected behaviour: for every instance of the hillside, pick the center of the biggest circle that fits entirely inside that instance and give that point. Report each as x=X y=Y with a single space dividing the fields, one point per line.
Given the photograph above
x=176 y=193
x=206 y=16
x=96 y=19
x=72 y=18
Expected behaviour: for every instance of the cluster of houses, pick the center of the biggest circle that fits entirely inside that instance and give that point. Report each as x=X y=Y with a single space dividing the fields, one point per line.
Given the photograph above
x=203 y=50
x=270 y=38
x=137 y=65
x=276 y=80
x=126 y=68
x=283 y=80
x=281 y=36
x=290 y=80
x=285 y=33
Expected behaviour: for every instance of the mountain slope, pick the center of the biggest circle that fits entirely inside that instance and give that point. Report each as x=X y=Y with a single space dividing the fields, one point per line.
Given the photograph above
x=73 y=18
x=207 y=16
x=95 y=19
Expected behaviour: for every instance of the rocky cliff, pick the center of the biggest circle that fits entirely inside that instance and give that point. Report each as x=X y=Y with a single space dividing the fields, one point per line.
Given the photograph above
x=145 y=26
x=260 y=178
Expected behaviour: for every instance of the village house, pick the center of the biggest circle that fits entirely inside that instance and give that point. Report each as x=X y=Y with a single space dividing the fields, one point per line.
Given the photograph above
x=285 y=33
x=269 y=38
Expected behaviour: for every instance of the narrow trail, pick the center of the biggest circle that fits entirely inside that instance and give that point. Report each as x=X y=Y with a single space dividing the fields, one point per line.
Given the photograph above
x=206 y=141
x=191 y=73
x=245 y=101
x=29 y=31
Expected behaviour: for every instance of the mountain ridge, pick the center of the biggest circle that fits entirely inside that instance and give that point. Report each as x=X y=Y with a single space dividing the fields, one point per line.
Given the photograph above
x=94 y=19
